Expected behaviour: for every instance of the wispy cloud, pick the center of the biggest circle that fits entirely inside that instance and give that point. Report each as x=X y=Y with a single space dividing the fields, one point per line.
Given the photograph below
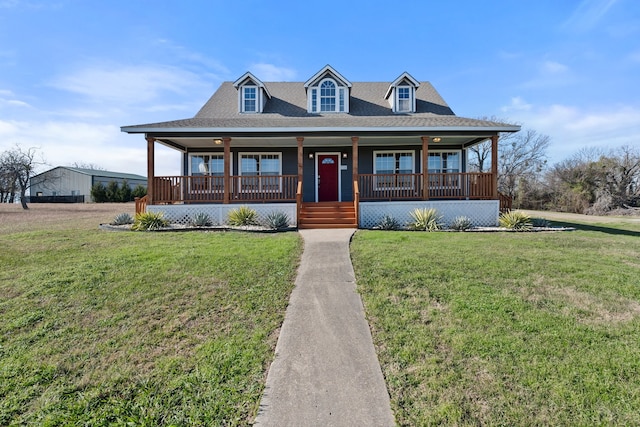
x=130 y=84
x=65 y=142
x=272 y=73
x=549 y=74
x=572 y=127
x=588 y=15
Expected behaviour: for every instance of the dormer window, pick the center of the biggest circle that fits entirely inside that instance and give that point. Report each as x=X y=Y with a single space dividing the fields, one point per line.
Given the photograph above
x=327 y=96
x=249 y=99
x=252 y=94
x=404 y=99
x=328 y=92
x=402 y=94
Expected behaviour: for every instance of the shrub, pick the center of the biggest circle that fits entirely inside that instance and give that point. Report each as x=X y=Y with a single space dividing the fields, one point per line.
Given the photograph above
x=515 y=220
x=122 y=219
x=146 y=221
x=277 y=220
x=461 y=223
x=425 y=220
x=124 y=192
x=244 y=215
x=99 y=193
x=388 y=223
x=139 y=191
x=113 y=192
x=201 y=219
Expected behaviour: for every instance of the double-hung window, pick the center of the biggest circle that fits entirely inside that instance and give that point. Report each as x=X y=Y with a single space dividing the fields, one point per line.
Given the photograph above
x=249 y=99
x=394 y=169
x=260 y=171
x=404 y=99
x=207 y=171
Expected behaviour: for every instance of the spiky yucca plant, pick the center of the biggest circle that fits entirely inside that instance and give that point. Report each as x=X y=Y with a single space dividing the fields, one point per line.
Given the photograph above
x=147 y=221
x=243 y=216
x=425 y=220
x=515 y=220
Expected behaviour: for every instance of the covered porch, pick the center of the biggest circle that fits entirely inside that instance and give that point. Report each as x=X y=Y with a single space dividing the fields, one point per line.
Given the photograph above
x=229 y=183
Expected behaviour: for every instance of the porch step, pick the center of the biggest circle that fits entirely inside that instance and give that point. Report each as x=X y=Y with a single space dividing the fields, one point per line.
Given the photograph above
x=328 y=215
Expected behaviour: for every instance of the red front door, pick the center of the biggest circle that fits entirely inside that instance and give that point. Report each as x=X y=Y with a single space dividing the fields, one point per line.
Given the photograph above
x=328 y=166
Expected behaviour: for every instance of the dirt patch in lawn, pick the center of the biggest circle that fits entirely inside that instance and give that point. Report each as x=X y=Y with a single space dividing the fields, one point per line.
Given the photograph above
x=59 y=216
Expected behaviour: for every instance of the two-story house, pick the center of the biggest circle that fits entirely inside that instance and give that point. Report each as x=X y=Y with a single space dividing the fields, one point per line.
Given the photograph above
x=328 y=151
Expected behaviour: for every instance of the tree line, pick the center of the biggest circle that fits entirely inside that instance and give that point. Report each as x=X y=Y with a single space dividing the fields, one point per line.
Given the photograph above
x=116 y=193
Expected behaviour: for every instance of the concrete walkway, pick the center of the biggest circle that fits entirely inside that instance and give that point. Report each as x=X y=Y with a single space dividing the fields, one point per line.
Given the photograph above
x=325 y=372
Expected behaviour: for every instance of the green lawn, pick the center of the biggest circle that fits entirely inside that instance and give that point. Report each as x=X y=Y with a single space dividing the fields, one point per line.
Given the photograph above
x=104 y=328
x=506 y=328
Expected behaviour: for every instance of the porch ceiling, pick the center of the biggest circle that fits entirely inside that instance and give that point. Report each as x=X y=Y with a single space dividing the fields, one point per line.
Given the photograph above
x=184 y=143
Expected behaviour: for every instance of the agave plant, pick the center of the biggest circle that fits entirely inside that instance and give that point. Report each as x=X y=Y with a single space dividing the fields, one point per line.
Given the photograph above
x=461 y=223
x=425 y=220
x=388 y=222
x=201 y=219
x=122 y=219
x=277 y=220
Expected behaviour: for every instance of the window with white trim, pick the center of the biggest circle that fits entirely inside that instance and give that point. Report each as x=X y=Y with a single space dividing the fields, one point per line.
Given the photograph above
x=207 y=172
x=405 y=102
x=442 y=163
x=328 y=97
x=260 y=171
x=249 y=99
x=395 y=167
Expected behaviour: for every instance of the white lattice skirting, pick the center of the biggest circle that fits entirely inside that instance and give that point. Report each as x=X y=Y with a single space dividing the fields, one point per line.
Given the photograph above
x=182 y=214
x=483 y=213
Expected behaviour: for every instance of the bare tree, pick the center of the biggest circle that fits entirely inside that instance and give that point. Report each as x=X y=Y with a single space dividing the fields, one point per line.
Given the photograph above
x=521 y=159
x=17 y=165
x=81 y=165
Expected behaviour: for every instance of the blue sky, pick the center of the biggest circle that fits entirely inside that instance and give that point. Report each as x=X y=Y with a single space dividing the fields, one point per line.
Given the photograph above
x=73 y=71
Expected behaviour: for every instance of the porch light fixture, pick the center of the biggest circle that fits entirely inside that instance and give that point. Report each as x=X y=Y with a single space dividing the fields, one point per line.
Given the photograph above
x=344 y=155
x=437 y=139
x=311 y=155
x=217 y=141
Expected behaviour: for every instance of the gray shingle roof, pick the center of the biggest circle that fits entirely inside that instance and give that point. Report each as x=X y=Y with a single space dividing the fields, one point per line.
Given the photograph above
x=287 y=108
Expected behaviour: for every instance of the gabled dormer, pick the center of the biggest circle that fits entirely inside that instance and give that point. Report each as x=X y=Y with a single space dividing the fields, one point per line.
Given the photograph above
x=402 y=94
x=327 y=92
x=252 y=94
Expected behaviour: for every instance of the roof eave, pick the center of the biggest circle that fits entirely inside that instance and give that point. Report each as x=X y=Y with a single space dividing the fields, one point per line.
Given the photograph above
x=262 y=130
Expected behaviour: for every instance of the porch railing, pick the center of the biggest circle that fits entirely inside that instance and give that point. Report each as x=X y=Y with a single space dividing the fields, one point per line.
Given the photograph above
x=208 y=188
x=471 y=185
x=283 y=188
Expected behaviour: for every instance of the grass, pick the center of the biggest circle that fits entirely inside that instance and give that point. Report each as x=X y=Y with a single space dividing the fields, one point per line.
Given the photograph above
x=506 y=328
x=154 y=329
